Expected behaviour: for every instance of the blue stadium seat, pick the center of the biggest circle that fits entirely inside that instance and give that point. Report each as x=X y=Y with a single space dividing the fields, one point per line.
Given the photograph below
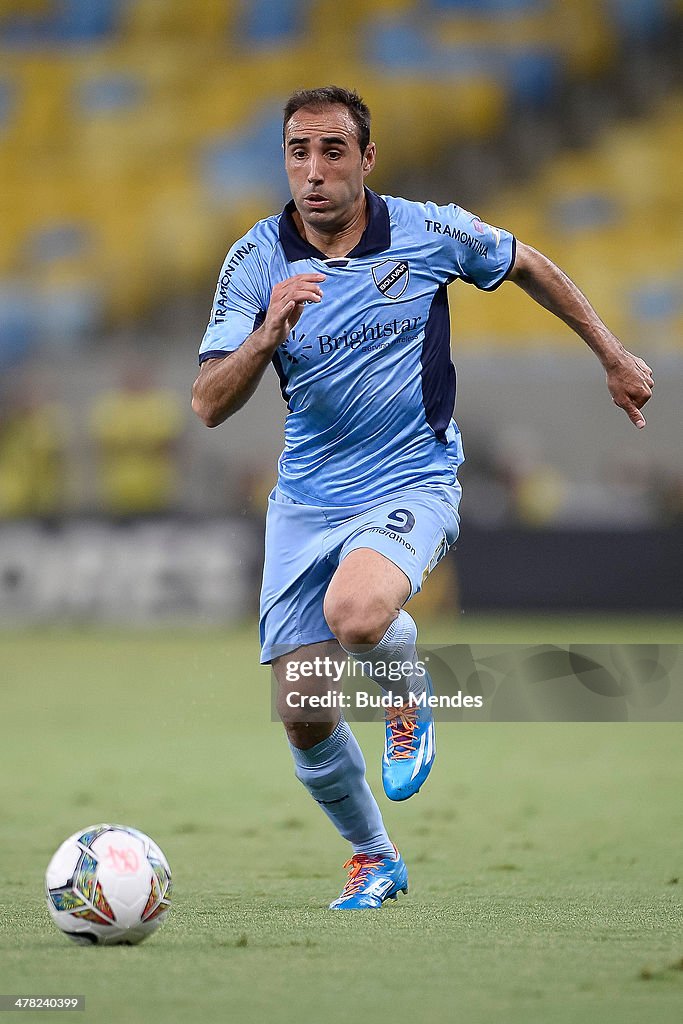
x=18 y=322
x=69 y=312
x=70 y=21
x=585 y=211
x=58 y=241
x=264 y=22
x=228 y=163
x=488 y=7
x=656 y=299
x=396 y=44
x=85 y=20
x=530 y=73
x=106 y=93
x=533 y=74
x=636 y=19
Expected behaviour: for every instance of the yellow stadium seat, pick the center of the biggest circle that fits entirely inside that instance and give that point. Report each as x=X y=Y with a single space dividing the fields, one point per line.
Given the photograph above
x=181 y=19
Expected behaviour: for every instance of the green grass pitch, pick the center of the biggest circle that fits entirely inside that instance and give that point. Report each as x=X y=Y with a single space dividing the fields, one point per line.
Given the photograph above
x=545 y=860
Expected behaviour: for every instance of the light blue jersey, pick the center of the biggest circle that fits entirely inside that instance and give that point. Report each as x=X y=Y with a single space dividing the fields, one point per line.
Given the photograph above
x=366 y=373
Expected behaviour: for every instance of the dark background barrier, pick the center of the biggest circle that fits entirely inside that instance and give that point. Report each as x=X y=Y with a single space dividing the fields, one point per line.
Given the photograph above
x=570 y=569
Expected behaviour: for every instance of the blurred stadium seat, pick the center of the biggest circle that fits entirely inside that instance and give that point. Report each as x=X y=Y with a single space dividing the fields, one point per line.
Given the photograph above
x=637 y=18
x=263 y=22
x=612 y=216
x=137 y=139
x=56 y=22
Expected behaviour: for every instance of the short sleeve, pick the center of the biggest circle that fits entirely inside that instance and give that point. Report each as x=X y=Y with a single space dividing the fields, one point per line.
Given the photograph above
x=466 y=247
x=240 y=301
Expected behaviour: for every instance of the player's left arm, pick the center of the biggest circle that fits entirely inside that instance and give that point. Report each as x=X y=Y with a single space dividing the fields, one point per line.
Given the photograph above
x=629 y=378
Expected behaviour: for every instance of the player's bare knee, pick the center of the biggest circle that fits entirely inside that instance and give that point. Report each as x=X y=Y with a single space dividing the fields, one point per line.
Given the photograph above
x=291 y=714
x=307 y=734
x=358 y=621
x=308 y=710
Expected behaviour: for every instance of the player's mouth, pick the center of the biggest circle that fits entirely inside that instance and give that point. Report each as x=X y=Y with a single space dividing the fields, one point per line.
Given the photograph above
x=315 y=201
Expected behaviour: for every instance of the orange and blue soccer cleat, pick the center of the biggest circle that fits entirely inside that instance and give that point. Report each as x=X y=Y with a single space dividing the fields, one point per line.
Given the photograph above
x=409 y=747
x=372 y=880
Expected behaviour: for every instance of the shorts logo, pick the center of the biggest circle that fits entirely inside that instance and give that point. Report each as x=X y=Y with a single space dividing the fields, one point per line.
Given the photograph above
x=401 y=520
x=391 y=277
x=392 y=535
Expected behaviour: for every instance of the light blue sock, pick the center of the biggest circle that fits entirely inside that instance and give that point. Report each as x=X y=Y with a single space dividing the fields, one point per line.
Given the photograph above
x=333 y=772
x=397 y=645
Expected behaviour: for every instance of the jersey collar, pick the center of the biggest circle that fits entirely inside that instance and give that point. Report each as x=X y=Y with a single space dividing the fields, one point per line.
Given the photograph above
x=375 y=238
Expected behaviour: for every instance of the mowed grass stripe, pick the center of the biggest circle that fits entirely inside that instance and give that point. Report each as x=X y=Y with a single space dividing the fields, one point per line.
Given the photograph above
x=542 y=857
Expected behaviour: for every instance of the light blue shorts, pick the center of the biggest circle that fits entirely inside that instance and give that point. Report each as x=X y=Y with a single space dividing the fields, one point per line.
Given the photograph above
x=305 y=543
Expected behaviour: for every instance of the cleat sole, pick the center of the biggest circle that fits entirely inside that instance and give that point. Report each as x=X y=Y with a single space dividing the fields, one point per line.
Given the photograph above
x=400 y=797
x=394 y=895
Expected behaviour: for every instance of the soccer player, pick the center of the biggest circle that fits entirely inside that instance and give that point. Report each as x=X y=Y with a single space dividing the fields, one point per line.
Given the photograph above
x=345 y=293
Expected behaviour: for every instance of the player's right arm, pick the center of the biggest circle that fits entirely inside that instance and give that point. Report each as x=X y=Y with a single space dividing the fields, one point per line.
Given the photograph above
x=225 y=383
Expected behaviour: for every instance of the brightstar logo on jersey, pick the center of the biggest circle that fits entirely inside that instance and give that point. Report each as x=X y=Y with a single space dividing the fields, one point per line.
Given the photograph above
x=371 y=336
x=391 y=277
x=460 y=236
x=240 y=253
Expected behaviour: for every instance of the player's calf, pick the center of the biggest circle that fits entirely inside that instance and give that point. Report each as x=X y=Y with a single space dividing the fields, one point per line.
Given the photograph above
x=308 y=692
x=327 y=758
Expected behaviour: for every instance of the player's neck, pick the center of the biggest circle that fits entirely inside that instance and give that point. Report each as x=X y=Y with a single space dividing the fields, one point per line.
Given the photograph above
x=338 y=241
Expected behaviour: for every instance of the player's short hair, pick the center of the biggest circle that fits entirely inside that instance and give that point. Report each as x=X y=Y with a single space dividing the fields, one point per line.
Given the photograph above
x=330 y=95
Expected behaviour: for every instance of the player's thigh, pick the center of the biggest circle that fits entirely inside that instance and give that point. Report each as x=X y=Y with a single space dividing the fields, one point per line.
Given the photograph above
x=296 y=574
x=364 y=596
x=386 y=558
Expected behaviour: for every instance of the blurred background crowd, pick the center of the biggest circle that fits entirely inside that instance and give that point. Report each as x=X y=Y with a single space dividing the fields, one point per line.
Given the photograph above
x=140 y=138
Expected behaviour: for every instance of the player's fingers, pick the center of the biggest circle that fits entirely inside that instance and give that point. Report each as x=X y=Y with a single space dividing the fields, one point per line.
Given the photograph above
x=642 y=395
x=306 y=295
x=646 y=371
x=300 y=293
x=632 y=411
x=292 y=284
x=280 y=316
x=293 y=318
x=291 y=302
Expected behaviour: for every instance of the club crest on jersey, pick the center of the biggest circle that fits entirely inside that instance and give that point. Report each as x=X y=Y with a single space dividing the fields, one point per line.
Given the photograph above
x=391 y=277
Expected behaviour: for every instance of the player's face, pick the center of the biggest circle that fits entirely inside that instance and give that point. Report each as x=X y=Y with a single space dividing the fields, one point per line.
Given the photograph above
x=325 y=166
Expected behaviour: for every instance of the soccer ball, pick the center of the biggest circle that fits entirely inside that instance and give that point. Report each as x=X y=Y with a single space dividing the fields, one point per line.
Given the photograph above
x=108 y=884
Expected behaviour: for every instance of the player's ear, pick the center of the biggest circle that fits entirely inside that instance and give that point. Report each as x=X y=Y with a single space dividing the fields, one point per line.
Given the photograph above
x=369 y=157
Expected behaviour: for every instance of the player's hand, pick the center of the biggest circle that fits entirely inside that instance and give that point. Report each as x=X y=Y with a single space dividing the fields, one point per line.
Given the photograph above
x=630 y=384
x=287 y=302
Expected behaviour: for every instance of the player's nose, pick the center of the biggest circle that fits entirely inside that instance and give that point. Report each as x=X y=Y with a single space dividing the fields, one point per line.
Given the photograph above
x=314 y=170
